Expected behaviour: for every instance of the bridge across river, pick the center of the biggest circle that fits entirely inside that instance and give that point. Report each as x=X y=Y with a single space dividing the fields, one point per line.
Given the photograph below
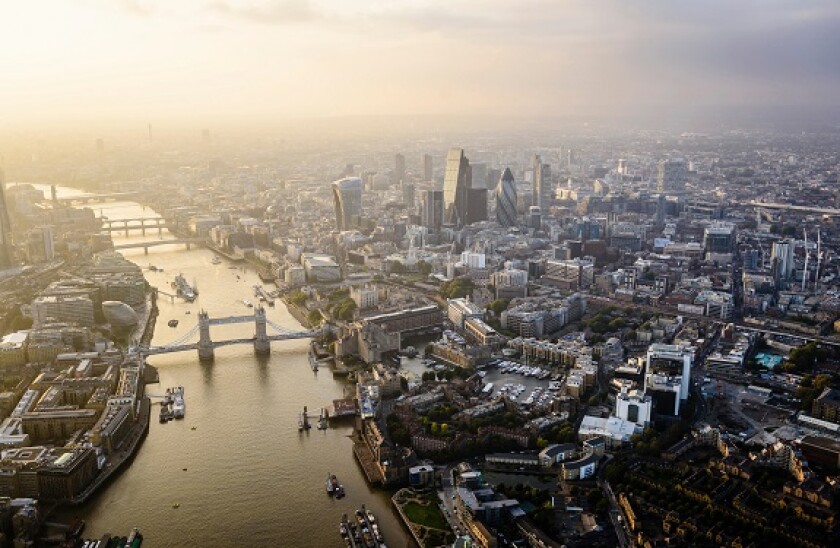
x=206 y=345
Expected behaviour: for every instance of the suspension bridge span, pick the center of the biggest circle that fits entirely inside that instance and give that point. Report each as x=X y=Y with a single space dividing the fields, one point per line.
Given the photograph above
x=206 y=345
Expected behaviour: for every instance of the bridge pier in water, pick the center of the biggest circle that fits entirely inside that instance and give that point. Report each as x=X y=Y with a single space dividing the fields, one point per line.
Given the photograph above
x=205 y=343
x=262 y=346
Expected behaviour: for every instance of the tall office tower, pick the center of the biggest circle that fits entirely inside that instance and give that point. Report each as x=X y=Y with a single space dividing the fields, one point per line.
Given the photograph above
x=479 y=176
x=570 y=158
x=456 y=182
x=399 y=168
x=660 y=210
x=622 y=166
x=433 y=209
x=506 y=199
x=347 y=196
x=428 y=173
x=5 y=226
x=782 y=252
x=671 y=176
x=476 y=205
x=541 y=196
x=493 y=176
x=408 y=195
x=534 y=217
x=668 y=376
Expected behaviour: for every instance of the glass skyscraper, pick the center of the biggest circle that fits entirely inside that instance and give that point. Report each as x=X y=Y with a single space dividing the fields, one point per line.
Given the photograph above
x=347 y=195
x=506 y=199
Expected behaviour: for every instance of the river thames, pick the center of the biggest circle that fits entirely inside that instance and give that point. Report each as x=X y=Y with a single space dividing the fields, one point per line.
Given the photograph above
x=237 y=468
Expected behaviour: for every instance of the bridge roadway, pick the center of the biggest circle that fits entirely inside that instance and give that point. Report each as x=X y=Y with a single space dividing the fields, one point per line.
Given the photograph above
x=87 y=198
x=155 y=350
x=175 y=241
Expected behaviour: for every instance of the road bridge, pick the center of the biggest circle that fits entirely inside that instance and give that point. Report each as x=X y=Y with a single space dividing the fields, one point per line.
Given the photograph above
x=137 y=223
x=189 y=242
x=206 y=345
x=102 y=197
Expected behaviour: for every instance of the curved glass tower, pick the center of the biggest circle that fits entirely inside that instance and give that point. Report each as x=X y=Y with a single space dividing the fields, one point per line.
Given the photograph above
x=506 y=199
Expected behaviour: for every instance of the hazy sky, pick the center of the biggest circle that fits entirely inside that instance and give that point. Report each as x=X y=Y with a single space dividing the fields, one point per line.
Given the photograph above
x=208 y=62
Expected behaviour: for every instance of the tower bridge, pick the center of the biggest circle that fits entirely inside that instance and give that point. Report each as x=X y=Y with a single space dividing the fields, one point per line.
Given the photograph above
x=206 y=345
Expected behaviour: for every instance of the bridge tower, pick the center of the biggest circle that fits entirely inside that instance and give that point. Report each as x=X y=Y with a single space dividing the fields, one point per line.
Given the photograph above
x=205 y=343
x=261 y=343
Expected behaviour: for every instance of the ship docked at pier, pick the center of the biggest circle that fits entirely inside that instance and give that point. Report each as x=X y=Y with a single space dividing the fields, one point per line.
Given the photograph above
x=361 y=532
x=184 y=289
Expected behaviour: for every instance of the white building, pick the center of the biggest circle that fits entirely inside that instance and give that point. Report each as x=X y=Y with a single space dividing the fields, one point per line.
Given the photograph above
x=633 y=407
x=320 y=267
x=458 y=310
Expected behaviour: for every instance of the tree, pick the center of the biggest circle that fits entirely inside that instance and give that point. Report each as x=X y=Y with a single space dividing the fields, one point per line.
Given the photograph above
x=298 y=298
x=498 y=306
x=457 y=288
x=424 y=268
x=314 y=317
x=397 y=268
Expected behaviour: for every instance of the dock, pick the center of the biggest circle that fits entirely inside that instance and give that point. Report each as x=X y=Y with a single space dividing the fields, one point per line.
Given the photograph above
x=343 y=408
x=366 y=460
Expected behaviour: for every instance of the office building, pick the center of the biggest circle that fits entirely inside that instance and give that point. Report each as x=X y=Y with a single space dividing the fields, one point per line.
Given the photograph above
x=476 y=210
x=671 y=176
x=668 y=376
x=633 y=407
x=571 y=274
x=408 y=195
x=506 y=200
x=428 y=172
x=69 y=309
x=433 y=209
x=456 y=184
x=534 y=217
x=399 y=168
x=5 y=226
x=719 y=238
x=541 y=196
x=347 y=196
x=458 y=310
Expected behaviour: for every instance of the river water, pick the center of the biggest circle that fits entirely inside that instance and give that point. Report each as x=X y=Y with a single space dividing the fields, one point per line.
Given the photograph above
x=251 y=478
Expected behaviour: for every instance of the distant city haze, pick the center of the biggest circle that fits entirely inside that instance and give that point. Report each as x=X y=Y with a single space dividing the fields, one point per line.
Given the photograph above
x=111 y=64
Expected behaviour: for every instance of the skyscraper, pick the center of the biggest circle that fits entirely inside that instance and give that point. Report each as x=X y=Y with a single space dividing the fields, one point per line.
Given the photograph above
x=399 y=168
x=476 y=205
x=456 y=182
x=506 y=199
x=781 y=256
x=671 y=175
x=347 y=196
x=542 y=184
x=408 y=195
x=5 y=226
x=433 y=209
x=428 y=172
